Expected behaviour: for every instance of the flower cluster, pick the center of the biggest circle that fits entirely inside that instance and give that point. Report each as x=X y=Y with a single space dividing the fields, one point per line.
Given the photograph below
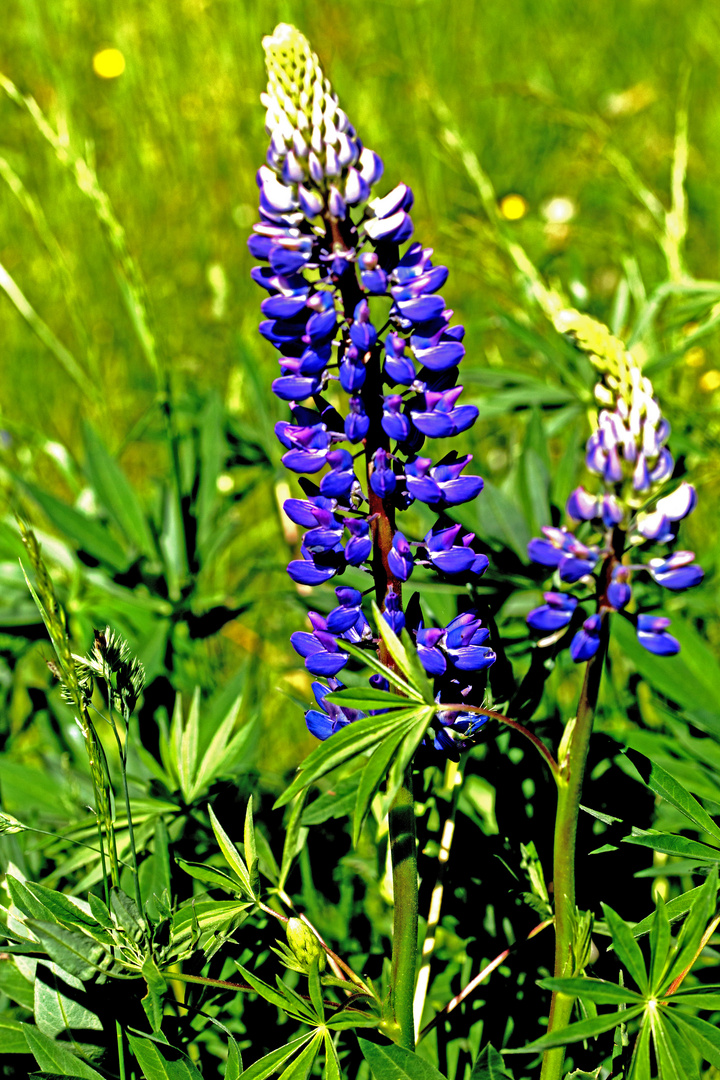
x=627 y=452
x=354 y=309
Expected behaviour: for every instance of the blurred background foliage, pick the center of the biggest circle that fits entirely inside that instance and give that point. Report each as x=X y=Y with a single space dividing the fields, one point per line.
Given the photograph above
x=135 y=400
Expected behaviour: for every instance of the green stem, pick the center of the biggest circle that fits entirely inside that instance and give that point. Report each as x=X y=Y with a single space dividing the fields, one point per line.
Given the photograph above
x=131 y=831
x=569 y=782
x=120 y=1049
x=403 y=854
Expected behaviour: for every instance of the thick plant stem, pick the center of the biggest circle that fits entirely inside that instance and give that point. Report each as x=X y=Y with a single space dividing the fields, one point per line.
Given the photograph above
x=569 y=782
x=403 y=855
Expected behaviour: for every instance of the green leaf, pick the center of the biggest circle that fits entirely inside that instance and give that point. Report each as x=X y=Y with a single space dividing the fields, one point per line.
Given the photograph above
x=369 y=659
x=349 y=742
x=153 y=1003
x=231 y=855
x=17 y=987
x=12 y=1039
x=489 y=1065
x=270 y=1064
x=233 y=1066
x=223 y=751
x=188 y=749
x=87 y=533
x=283 y=997
x=295 y=837
x=626 y=947
x=367 y=697
x=703 y=1036
x=584 y=1029
x=673 y=1055
x=332 y=1062
x=667 y=787
x=162 y=1063
x=694 y=927
x=672 y=845
x=299 y=1069
x=26 y=901
x=315 y=990
x=53 y=1057
x=209 y=875
x=56 y=1006
x=73 y=952
x=659 y=942
x=372 y=776
x=391 y=1062
x=338 y=802
x=116 y=493
x=497 y=519
x=251 y=854
x=127 y=913
x=674 y=909
x=406 y=660
x=62 y=908
x=597 y=990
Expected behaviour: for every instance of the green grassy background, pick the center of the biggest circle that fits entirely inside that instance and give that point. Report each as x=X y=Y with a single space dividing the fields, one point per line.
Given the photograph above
x=555 y=99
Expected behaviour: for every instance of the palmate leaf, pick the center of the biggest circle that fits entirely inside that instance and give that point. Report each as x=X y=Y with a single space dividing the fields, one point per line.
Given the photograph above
x=390 y=1062
x=54 y=1057
x=232 y=856
x=667 y=787
x=391 y=759
x=283 y=997
x=295 y=837
x=674 y=910
x=369 y=659
x=59 y=1005
x=670 y=844
x=209 y=875
x=407 y=660
x=160 y=1062
x=583 y=1029
x=627 y=948
x=704 y=1036
x=371 y=778
x=693 y=928
x=299 y=1069
x=351 y=741
x=674 y=1057
x=269 y=1065
x=367 y=697
x=597 y=990
x=489 y=1065
x=70 y=950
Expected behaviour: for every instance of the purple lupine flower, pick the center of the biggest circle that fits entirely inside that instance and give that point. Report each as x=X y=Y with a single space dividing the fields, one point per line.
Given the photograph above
x=619 y=591
x=393 y=613
x=400 y=557
x=321 y=651
x=627 y=451
x=677 y=571
x=587 y=641
x=327 y=243
x=554 y=614
x=359 y=546
x=324 y=723
x=651 y=633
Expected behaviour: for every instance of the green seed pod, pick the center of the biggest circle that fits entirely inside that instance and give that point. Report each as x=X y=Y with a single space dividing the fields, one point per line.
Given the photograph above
x=304 y=944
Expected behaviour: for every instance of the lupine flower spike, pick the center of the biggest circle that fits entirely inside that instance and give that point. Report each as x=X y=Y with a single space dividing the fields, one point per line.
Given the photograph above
x=337 y=263
x=629 y=512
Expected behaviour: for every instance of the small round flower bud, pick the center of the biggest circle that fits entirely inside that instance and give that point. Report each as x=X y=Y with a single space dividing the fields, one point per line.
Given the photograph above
x=305 y=944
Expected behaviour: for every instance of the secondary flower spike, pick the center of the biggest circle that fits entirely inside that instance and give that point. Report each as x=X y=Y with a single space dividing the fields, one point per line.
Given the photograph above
x=631 y=513
x=353 y=310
